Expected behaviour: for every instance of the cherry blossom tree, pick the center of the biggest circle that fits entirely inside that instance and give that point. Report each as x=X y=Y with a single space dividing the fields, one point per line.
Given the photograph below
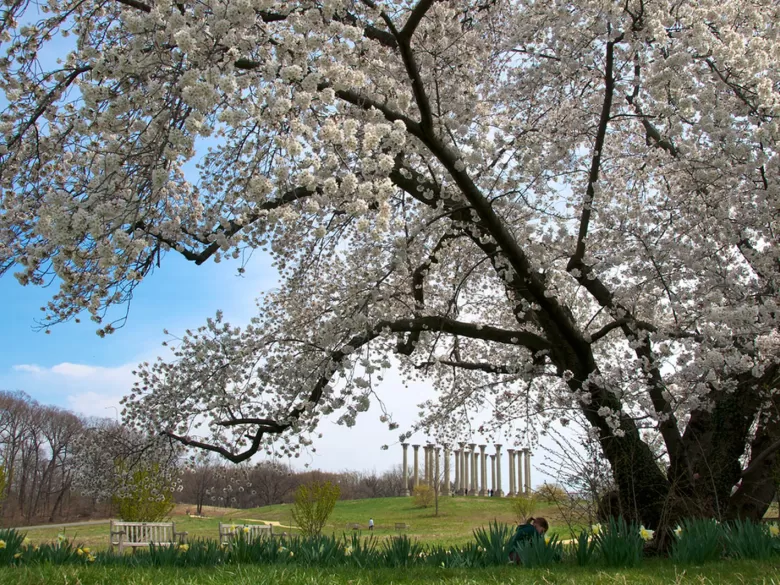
x=540 y=207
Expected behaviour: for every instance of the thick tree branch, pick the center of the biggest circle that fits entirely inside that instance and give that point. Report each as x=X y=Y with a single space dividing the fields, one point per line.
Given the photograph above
x=598 y=148
x=472 y=366
x=418 y=13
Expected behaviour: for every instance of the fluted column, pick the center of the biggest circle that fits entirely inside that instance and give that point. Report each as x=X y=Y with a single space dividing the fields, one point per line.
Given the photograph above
x=463 y=469
x=493 y=473
x=405 y=464
x=470 y=475
x=476 y=471
x=511 y=456
x=483 y=471
x=466 y=467
x=427 y=449
x=436 y=467
x=416 y=471
x=528 y=471
x=456 y=463
x=520 y=467
x=499 y=489
x=446 y=489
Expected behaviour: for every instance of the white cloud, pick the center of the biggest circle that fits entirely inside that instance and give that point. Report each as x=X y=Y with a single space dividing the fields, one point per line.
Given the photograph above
x=83 y=388
x=29 y=368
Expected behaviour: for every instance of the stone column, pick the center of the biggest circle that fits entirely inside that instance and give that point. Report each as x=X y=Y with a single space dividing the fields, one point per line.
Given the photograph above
x=499 y=489
x=436 y=485
x=446 y=489
x=528 y=471
x=493 y=474
x=427 y=457
x=475 y=471
x=520 y=466
x=405 y=464
x=463 y=468
x=456 y=462
x=511 y=455
x=416 y=472
x=472 y=470
x=483 y=471
x=466 y=471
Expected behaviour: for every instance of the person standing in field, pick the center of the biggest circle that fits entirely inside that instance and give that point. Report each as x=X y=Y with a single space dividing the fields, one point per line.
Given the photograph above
x=370 y=523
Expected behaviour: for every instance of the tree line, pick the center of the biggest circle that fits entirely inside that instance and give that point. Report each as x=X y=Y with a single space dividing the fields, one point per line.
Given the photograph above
x=57 y=465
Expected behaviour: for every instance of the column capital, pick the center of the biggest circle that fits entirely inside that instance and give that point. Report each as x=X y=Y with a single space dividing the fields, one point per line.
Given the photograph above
x=472 y=445
x=482 y=448
x=497 y=445
x=416 y=446
x=508 y=450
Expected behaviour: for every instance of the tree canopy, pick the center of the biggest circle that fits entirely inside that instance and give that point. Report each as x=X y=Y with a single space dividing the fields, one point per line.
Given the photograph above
x=544 y=207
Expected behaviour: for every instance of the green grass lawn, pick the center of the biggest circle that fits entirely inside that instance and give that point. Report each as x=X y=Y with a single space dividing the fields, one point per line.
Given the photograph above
x=650 y=573
x=454 y=524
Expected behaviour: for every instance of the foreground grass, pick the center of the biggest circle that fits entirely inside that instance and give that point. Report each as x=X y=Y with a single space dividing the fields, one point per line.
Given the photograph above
x=651 y=573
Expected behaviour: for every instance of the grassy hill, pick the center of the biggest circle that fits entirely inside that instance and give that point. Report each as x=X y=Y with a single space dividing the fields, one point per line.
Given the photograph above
x=456 y=520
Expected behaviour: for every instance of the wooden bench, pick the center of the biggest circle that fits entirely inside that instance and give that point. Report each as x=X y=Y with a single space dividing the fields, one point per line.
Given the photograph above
x=135 y=534
x=250 y=532
x=399 y=526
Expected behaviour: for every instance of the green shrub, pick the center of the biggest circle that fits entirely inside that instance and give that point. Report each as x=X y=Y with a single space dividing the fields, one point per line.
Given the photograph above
x=698 y=541
x=11 y=544
x=146 y=496
x=424 y=496
x=314 y=503
x=539 y=551
x=550 y=492
x=746 y=539
x=584 y=548
x=494 y=542
x=361 y=552
x=401 y=551
x=523 y=507
x=619 y=544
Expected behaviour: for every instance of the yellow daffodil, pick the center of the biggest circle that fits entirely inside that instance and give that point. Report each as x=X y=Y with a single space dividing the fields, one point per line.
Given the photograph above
x=546 y=540
x=348 y=551
x=18 y=555
x=246 y=529
x=184 y=547
x=233 y=528
x=26 y=541
x=292 y=554
x=79 y=551
x=91 y=558
x=595 y=529
x=646 y=533
x=774 y=530
x=2 y=544
x=678 y=531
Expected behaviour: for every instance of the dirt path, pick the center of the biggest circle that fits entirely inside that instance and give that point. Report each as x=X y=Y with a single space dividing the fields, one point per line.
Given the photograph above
x=65 y=525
